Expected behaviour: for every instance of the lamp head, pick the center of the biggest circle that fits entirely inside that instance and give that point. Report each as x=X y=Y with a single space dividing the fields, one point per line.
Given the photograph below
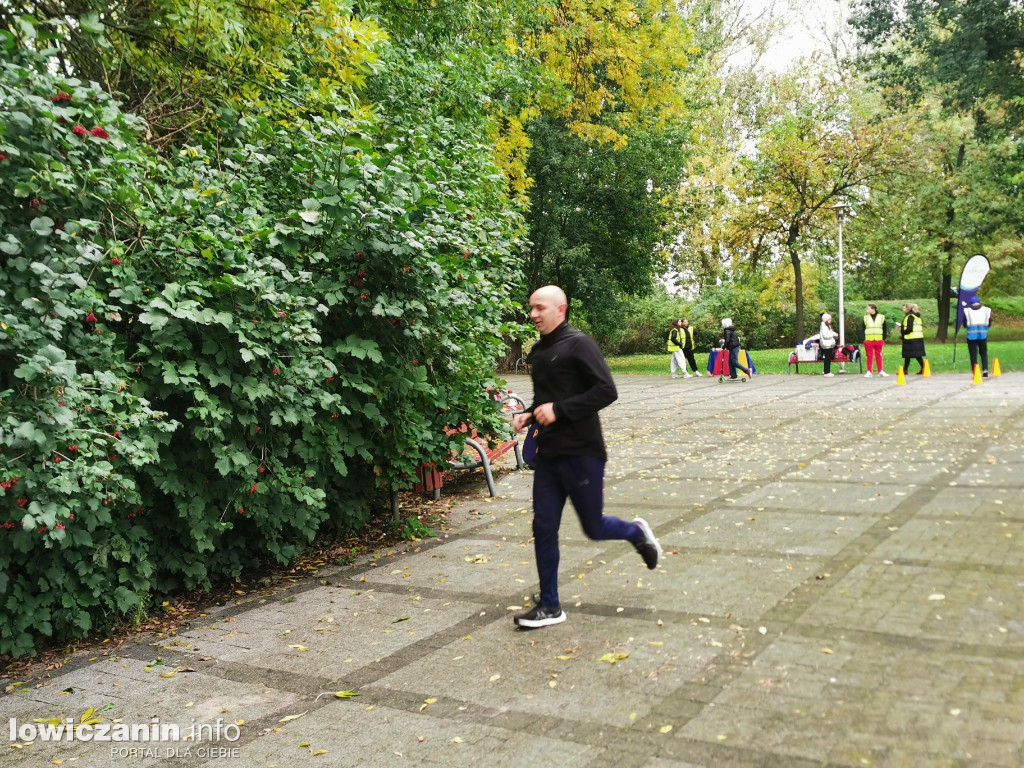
x=842 y=211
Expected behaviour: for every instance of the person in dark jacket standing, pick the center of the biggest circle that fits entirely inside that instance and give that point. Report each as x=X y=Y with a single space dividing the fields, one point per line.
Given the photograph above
x=571 y=383
x=912 y=331
x=733 y=344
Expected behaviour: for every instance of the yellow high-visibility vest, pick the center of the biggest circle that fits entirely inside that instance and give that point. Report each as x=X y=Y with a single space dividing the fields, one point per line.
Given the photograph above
x=873 y=327
x=672 y=345
x=918 y=330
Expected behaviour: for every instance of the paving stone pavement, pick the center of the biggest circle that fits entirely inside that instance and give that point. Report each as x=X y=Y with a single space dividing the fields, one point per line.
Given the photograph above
x=843 y=585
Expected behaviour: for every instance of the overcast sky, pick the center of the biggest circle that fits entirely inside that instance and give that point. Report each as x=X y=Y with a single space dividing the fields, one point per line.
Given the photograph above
x=810 y=25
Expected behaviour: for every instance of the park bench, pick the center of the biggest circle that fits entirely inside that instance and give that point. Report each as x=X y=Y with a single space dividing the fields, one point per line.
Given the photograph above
x=477 y=452
x=850 y=355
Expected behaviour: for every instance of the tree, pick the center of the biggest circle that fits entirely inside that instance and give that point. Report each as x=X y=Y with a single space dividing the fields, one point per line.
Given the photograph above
x=596 y=215
x=610 y=65
x=729 y=94
x=190 y=68
x=975 y=48
x=606 y=142
x=964 y=60
x=826 y=141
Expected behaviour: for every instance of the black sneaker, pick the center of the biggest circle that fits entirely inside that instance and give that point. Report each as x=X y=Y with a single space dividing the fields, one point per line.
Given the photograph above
x=985 y=374
x=540 y=616
x=649 y=548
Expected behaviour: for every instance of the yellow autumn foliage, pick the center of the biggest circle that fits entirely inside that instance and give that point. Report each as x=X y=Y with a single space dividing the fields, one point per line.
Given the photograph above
x=610 y=57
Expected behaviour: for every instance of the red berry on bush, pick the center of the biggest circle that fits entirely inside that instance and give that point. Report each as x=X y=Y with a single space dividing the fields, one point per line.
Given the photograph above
x=62 y=96
x=241 y=510
x=90 y=318
x=276 y=371
x=3 y=157
x=99 y=133
x=116 y=260
x=255 y=487
x=79 y=130
x=359 y=256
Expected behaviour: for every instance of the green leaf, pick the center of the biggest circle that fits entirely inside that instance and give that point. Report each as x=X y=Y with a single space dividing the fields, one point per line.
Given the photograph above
x=90 y=22
x=125 y=599
x=42 y=226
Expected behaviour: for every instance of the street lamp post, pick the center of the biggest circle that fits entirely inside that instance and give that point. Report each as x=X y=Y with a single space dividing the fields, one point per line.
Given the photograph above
x=842 y=211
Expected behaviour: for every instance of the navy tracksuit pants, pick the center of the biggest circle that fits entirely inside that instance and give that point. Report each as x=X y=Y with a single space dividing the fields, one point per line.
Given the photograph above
x=580 y=479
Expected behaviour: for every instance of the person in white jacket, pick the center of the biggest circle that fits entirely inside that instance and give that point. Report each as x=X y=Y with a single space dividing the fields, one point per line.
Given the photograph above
x=827 y=342
x=978 y=318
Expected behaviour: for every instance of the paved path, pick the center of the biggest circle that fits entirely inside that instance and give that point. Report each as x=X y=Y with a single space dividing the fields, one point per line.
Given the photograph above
x=843 y=585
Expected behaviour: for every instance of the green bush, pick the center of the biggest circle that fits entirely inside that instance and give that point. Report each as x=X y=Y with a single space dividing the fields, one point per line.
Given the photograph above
x=206 y=359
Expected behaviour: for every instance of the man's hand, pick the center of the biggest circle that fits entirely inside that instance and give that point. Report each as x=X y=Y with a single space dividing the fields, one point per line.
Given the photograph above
x=521 y=421
x=544 y=414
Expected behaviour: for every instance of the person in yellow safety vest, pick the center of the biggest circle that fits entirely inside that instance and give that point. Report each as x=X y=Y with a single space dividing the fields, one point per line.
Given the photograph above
x=912 y=330
x=688 y=347
x=674 y=346
x=978 y=318
x=875 y=331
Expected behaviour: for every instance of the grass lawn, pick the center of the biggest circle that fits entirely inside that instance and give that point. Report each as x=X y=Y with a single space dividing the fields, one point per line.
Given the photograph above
x=940 y=356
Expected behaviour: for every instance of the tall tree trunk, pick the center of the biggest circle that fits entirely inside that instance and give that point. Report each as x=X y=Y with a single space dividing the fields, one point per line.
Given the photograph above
x=798 y=277
x=515 y=351
x=798 y=286
x=945 y=286
x=948 y=248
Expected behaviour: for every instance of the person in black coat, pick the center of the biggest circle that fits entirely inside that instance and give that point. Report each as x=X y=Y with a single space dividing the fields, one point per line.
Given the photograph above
x=912 y=331
x=571 y=383
x=732 y=345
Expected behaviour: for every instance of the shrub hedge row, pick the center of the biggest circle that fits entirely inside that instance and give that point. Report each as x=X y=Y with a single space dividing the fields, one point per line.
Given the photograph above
x=207 y=358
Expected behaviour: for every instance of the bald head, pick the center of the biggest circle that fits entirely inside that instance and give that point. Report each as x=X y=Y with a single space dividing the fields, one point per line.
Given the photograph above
x=548 y=307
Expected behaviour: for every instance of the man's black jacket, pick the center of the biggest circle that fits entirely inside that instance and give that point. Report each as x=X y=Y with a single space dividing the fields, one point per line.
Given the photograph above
x=569 y=370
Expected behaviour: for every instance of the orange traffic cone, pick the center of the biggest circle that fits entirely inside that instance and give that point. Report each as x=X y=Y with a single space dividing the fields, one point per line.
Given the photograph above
x=927 y=368
x=977 y=374
x=900 y=378
x=996 y=371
